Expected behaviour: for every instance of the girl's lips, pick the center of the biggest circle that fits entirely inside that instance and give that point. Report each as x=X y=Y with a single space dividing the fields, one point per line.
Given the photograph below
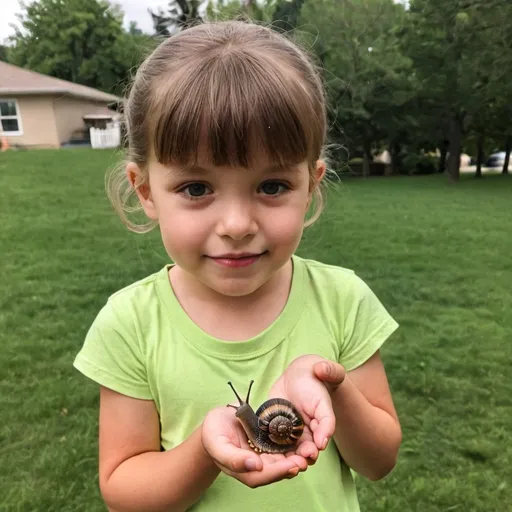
x=236 y=260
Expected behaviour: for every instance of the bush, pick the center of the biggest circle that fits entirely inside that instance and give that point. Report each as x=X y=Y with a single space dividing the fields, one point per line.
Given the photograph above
x=354 y=167
x=419 y=164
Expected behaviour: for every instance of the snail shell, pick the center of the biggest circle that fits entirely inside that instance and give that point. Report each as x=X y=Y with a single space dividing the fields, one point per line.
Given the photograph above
x=279 y=418
x=275 y=427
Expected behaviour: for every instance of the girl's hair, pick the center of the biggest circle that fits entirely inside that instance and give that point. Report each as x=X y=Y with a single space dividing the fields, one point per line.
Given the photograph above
x=240 y=88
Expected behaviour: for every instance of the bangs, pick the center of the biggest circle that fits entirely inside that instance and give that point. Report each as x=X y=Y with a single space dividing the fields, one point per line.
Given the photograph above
x=235 y=105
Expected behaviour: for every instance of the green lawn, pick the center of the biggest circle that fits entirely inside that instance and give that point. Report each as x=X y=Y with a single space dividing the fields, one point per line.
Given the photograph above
x=438 y=255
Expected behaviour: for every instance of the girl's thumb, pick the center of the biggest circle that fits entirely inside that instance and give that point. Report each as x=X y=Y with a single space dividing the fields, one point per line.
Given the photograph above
x=329 y=371
x=236 y=459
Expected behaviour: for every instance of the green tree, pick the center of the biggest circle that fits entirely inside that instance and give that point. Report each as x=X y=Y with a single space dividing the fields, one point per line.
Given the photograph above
x=179 y=14
x=367 y=77
x=287 y=14
x=82 y=41
x=495 y=63
x=257 y=11
x=447 y=42
x=131 y=48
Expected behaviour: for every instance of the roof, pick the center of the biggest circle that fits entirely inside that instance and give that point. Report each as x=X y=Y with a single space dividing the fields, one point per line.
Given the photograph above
x=20 y=81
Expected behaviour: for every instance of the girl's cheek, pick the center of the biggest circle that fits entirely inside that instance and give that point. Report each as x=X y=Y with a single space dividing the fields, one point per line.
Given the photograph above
x=183 y=230
x=286 y=227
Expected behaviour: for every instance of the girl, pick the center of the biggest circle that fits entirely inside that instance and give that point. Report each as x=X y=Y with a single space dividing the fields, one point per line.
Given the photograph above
x=226 y=126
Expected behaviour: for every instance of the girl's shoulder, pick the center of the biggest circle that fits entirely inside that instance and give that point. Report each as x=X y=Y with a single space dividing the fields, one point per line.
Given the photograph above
x=348 y=305
x=320 y=269
x=128 y=313
x=328 y=279
x=141 y=288
x=343 y=288
x=114 y=352
x=133 y=304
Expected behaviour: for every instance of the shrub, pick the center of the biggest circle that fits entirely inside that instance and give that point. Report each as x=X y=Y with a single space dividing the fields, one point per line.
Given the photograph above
x=419 y=164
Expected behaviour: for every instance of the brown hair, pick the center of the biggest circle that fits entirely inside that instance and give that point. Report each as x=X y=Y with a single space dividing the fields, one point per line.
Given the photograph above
x=241 y=85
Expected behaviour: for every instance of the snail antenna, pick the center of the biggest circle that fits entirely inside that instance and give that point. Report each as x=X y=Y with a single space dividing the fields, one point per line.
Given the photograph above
x=237 y=395
x=249 y=391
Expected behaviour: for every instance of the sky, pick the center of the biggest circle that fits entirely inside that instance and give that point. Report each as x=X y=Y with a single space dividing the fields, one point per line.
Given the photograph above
x=134 y=10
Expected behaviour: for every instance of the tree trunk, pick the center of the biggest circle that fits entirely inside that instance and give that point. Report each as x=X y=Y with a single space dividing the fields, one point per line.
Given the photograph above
x=479 y=154
x=508 y=147
x=453 y=167
x=442 y=158
x=367 y=155
x=394 y=151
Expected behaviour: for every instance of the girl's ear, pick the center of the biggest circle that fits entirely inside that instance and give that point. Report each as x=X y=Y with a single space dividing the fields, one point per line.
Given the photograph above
x=315 y=180
x=321 y=169
x=142 y=189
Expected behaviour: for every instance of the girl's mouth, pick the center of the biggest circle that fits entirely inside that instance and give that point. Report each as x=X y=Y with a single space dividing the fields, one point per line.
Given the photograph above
x=237 y=260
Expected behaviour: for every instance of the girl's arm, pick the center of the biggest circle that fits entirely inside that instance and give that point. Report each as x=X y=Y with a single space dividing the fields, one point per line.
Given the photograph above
x=134 y=474
x=367 y=432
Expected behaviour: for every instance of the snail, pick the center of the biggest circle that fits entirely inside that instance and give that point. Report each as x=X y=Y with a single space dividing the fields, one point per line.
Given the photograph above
x=274 y=428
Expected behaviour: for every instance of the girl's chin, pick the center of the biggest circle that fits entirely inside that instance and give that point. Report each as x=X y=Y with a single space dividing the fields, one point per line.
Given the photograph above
x=234 y=289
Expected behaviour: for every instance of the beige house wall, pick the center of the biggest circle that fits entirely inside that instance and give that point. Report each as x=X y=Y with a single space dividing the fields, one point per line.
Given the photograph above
x=69 y=114
x=48 y=121
x=37 y=122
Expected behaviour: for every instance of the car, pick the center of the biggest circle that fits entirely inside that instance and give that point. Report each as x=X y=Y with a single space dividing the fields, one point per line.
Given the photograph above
x=496 y=159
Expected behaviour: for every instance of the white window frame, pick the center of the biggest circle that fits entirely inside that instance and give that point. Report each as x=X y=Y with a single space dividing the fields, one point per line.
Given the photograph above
x=17 y=117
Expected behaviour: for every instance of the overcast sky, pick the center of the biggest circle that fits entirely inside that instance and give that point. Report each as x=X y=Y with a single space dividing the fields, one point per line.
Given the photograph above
x=135 y=10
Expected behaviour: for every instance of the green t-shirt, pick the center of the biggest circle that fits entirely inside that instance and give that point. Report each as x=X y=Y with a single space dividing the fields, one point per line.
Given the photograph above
x=144 y=345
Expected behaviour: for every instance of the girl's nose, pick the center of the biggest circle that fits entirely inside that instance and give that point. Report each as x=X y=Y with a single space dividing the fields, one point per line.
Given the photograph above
x=237 y=221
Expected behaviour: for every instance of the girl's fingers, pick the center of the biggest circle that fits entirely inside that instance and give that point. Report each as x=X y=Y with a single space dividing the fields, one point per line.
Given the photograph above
x=286 y=467
x=308 y=450
x=299 y=461
x=234 y=459
x=326 y=422
x=330 y=371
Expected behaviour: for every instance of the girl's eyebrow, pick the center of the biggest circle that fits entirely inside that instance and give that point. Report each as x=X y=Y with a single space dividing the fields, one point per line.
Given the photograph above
x=196 y=169
x=282 y=168
x=181 y=171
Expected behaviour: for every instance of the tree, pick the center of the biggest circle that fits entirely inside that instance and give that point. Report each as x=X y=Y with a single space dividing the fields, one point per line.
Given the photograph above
x=3 y=53
x=287 y=14
x=82 y=41
x=367 y=77
x=493 y=59
x=260 y=11
x=180 y=14
x=446 y=41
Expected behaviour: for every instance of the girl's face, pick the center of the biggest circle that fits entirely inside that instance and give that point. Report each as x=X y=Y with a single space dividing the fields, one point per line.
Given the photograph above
x=230 y=228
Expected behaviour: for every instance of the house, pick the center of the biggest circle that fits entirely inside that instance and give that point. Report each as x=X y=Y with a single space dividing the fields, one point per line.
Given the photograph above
x=37 y=110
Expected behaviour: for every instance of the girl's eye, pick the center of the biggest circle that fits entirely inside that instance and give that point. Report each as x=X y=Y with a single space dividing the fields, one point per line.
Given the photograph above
x=273 y=188
x=194 y=190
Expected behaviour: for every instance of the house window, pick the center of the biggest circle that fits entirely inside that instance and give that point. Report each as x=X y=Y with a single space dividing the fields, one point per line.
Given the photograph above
x=10 y=121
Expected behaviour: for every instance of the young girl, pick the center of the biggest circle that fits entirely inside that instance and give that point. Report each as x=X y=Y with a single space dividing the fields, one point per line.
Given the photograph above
x=226 y=125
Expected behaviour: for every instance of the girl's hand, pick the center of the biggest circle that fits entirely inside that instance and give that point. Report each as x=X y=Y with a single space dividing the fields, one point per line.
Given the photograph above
x=308 y=383
x=226 y=443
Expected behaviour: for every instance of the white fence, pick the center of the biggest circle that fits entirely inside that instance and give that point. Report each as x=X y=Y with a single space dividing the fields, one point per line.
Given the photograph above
x=109 y=137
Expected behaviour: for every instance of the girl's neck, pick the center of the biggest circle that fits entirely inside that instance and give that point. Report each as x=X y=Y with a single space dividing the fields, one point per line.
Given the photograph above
x=242 y=316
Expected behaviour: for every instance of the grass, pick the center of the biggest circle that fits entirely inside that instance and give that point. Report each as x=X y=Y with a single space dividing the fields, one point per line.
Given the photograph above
x=437 y=254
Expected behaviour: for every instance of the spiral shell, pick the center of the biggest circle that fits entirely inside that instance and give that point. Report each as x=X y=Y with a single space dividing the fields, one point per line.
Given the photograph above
x=281 y=421
x=274 y=428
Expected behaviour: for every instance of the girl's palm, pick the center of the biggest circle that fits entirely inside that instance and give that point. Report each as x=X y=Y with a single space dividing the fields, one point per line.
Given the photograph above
x=312 y=400
x=226 y=442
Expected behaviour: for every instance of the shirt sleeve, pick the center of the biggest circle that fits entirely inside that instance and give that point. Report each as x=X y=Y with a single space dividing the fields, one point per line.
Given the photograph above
x=367 y=325
x=112 y=354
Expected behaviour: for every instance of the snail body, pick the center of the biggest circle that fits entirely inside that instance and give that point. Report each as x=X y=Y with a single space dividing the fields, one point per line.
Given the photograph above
x=275 y=427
